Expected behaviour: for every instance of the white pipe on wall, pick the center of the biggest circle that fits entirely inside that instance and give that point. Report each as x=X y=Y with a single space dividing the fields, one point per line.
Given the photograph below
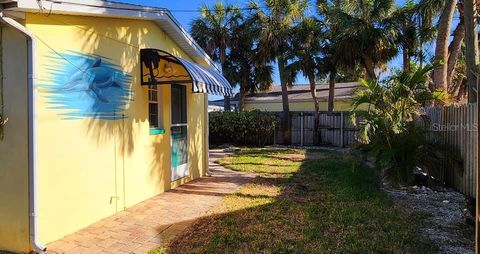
x=32 y=153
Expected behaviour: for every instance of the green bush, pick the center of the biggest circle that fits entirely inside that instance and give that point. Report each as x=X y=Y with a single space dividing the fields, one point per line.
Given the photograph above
x=242 y=128
x=390 y=129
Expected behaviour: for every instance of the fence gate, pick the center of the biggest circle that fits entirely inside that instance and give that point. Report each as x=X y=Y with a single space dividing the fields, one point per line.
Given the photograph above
x=334 y=129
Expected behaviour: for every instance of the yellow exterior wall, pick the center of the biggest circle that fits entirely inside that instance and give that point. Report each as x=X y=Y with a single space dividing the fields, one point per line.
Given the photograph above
x=90 y=169
x=297 y=106
x=14 y=147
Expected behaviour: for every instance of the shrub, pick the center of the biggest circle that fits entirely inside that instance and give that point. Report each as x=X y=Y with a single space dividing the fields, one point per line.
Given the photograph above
x=391 y=131
x=241 y=128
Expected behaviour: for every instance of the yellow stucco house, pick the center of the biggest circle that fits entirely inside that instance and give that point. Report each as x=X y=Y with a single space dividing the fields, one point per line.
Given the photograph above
x=106 y=106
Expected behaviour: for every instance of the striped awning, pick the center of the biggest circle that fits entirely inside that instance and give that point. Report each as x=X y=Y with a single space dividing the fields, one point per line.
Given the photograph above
x=159 y=67
x=207 y=80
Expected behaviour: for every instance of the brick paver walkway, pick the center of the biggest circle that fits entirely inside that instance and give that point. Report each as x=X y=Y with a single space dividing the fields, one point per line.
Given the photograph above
x=152 y=223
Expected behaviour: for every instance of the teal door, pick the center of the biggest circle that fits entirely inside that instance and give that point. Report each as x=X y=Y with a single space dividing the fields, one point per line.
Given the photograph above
x=179 y=130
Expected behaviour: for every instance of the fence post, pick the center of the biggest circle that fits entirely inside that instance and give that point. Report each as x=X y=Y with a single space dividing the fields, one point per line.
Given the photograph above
x=477 y=176
x=302 y=124
x=342 y=123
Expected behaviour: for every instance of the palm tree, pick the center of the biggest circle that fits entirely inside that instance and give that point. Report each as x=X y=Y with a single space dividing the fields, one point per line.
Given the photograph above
x=440 y=74
x=213 y=32
x=471 y=45
x=303 y=56
x=276 y=18
x=425 y=14
x=455 y=47
x=366 y=33
x=408 y=32
x=447 y=78
x=244 y=66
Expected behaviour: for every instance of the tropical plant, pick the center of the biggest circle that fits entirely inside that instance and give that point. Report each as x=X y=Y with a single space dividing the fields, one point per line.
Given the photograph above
x=303 y=53
x=446 y=76
x=455 y=47
x=365 y=31
x=389 y=130
x=276 y=18
x=407 y=32
x=243 y=65
x=333 y=63
x=213 y=31
x=457 y=87
x=303 y=56
x=425 y=16
x=440 y=74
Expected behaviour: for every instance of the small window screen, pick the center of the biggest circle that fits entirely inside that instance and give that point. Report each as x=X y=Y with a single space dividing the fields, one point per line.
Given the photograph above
x=179 y=104
x=153 y=114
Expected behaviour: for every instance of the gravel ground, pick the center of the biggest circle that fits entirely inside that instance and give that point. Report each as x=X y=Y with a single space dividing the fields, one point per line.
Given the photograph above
x=442 y=216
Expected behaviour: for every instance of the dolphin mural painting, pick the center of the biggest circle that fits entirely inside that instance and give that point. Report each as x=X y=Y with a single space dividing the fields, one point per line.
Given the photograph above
x=83 y=86
x=92 y=78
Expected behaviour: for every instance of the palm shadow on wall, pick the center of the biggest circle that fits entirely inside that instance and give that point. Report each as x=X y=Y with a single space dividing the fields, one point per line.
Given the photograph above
x=100 y=88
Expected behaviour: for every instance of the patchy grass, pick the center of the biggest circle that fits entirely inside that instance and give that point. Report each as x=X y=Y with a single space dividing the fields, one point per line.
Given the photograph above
x=299 y=205
x=159 y=251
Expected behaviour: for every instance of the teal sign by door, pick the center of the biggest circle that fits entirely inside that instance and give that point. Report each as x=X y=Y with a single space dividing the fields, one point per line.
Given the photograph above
x=179 y=130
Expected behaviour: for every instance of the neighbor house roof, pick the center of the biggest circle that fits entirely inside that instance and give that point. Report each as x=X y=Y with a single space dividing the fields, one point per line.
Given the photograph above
x=300 y=93
x=161 y=16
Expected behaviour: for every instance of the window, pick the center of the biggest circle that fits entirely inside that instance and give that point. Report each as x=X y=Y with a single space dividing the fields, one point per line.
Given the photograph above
x=153 y=107
x=179 y=105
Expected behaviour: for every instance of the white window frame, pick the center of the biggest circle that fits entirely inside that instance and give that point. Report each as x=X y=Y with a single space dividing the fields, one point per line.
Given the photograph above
x=156 y=90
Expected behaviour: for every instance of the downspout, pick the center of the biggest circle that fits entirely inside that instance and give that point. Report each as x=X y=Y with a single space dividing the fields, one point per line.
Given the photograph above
x=32 y=153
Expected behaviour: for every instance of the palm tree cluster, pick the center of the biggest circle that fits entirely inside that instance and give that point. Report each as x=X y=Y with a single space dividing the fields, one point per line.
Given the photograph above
x=342 y=40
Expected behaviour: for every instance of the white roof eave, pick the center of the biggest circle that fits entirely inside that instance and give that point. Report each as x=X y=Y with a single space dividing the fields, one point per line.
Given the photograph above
x=162 y=17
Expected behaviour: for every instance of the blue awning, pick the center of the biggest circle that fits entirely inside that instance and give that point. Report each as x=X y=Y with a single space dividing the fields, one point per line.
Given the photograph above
x=159 y=67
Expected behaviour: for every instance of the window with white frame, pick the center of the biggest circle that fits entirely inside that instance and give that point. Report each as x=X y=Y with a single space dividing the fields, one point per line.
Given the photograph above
x=153 y=107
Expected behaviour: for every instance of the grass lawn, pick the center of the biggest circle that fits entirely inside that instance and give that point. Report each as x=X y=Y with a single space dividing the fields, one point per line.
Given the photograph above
x=303 y=202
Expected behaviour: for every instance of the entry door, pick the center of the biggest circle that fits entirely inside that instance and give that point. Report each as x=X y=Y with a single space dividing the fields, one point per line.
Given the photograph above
x=179 y=130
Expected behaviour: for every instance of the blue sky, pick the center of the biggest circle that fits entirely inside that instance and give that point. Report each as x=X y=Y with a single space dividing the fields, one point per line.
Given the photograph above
x=178 y=8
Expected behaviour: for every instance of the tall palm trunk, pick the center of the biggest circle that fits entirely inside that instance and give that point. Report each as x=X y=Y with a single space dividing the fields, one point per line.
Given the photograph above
x=471 y=45
x=369 y=67
x=226 y=99
x=455 y=48
x=421 y=54
x=331 y=91
x=406 y=60
x=243 y=91
x=441 y=49
x=286 y=107
x=316 y=103
x=226 y=103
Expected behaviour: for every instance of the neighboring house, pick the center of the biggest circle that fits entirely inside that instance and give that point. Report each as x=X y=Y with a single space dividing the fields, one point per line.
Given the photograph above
x=299 y=98
x=107 y=107
x=213 y=108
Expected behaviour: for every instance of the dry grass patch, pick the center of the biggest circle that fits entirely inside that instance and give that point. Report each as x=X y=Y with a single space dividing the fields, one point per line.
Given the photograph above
x=328 y=205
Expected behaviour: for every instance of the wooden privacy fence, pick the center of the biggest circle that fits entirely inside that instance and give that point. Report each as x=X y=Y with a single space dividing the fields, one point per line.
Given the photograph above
x=457 y=128
x=334 y=129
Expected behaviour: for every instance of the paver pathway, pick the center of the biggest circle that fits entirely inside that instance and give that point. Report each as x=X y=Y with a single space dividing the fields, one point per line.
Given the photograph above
x=154 y=222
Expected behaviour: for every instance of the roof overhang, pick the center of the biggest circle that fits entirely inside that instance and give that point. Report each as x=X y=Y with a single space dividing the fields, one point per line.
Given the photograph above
x=162 y=17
